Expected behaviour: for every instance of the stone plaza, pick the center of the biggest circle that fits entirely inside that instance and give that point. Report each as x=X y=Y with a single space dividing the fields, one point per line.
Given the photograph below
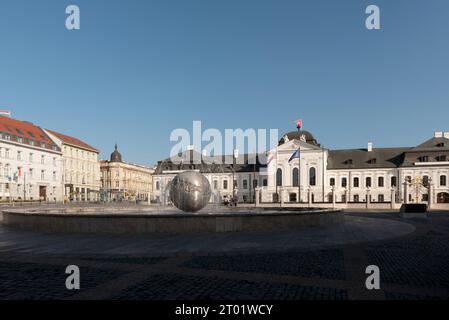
x=326 y=263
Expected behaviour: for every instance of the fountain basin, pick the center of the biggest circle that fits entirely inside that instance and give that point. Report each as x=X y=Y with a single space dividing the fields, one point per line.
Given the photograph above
x=151 y=222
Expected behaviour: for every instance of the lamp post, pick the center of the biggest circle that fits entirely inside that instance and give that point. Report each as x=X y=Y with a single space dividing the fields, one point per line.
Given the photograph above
x=299 y=126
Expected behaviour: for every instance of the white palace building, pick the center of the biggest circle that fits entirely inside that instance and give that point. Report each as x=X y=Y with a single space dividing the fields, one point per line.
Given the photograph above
x=352 y=178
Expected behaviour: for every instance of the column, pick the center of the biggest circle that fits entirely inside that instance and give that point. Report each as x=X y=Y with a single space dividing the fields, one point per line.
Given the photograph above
x=368 y=202
x=333 y=197
x=310 y=197
x=430 y=195
x=257 y=196
x=281 y=194
x=393 y=197
x=405 y=192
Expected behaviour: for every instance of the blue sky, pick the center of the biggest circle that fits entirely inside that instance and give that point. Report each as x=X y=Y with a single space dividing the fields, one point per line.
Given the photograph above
x=139 y=69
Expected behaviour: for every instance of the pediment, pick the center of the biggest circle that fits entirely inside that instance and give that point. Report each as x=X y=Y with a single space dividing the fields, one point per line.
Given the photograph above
x=294 y=144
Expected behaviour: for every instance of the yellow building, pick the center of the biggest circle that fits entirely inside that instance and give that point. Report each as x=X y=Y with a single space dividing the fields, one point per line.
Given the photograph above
x=80 y=167
x=125 y=181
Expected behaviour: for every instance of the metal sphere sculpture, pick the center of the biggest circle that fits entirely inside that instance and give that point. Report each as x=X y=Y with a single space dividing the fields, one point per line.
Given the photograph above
x=190 y=191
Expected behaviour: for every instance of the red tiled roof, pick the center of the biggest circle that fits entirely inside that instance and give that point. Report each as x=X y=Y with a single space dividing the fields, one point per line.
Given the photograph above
x=27 y=131
x=73 y=141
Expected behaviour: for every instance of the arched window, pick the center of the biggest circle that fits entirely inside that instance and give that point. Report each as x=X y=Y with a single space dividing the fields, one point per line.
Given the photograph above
x=368 y=182
x=295 y=177
x=393 y=181
x=279 y=178
x=443 y=180
x=380 y=182
x=312 y=176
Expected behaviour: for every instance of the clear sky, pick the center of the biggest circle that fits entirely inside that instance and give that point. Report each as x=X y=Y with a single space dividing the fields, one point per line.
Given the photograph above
x=138 y=69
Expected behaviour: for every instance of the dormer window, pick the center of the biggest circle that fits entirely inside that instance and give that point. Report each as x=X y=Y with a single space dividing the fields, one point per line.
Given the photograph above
x=349 y=161
x=42 y=144
x=19 y=139
x=440 y=145
x=372 y=161
x=423 y=159
x=441 y=158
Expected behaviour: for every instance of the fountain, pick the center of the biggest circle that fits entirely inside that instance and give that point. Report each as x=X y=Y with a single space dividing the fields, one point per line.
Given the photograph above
x=191 y=193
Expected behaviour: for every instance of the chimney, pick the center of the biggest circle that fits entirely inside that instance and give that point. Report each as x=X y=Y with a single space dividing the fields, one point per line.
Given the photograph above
x=438 y=134
x=370 y=146
x=446 y=135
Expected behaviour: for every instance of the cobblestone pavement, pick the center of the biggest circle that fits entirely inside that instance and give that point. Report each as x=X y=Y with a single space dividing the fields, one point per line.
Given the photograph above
x=413 y=266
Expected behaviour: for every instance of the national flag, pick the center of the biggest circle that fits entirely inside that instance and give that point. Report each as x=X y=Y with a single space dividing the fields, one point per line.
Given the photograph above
x=299 y=123
x=295 y=155
x=5 y=113
x=272 y=156
x=19 y=172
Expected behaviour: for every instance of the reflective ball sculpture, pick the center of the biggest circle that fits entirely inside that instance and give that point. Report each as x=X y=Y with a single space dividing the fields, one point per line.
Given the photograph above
x=190 y=191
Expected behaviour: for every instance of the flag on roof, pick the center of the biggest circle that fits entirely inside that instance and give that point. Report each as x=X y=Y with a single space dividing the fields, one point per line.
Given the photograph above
x=5 y=113
x=295 y=155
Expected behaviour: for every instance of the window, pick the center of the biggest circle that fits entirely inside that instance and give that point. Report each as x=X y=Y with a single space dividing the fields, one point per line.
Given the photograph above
x=265 y=182
x=31 y=173
x=31 y=158
x=408 y=179
x=42 y=144
x=31 y=142
x=19 y=139
x=255 y=183
x=380 y=198
x=225 y=184
x=42 y=174
x=356 y=198
x=158 y=185
x=295 y=176
x=19 y=156
x=380 y=182
x=279 y=177
x=356 y=182
x=7 y=153
x=372 y=161
x=344 y=182
x=394 y=181
x=42 y=159
x=245 y=184
x=54 y=162
x=425 y=181
x=423 y=159
x=332 y=182
x=441 y=158
x=312 y=176
x=443 y=181
x=368 y=182
x=54 y=175
x=215 y=184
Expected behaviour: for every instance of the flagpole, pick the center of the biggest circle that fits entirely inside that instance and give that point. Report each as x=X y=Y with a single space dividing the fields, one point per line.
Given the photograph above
x=299 y=169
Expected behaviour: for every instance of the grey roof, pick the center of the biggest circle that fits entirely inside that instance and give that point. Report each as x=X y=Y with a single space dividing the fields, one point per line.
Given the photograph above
x=362 y=159
x=434 y=144
x=310 y=139
x=217 y=164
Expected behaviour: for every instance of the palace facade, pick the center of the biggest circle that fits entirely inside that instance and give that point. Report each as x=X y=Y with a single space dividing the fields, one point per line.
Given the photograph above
x=365 y=177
